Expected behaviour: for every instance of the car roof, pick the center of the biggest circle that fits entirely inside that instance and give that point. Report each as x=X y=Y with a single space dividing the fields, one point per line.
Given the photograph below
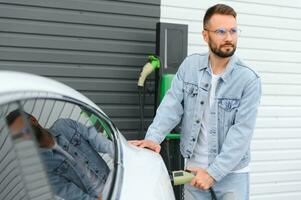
x=12 y=83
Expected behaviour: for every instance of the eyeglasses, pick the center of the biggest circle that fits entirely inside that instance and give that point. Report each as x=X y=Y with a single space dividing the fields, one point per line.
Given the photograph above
x=222 y=32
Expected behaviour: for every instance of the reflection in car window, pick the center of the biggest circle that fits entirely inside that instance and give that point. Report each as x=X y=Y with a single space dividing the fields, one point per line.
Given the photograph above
x=22 y=174
x=74 y=144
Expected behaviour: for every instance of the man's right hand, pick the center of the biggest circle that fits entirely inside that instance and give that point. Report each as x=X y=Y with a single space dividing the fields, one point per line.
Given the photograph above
x=146 y=144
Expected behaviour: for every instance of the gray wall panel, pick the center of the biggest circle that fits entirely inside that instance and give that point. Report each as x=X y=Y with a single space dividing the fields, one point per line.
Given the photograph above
x=75 y=17
x=75 y=30
x=115 y=7
x=76 y=44
x=96 y=47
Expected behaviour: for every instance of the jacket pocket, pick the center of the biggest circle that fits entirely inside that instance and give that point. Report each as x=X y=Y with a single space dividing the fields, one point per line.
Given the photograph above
x=226 y=116
x=190 y=94
x=228 y=104
x=76 y=139
x=228 y=108
x=190 y=89
x=62 y=168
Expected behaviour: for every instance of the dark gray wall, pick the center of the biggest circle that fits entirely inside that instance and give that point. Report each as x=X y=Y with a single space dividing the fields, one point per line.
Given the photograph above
x=96 y=47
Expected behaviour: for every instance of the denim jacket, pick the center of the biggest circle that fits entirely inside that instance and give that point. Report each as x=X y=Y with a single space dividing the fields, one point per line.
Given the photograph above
x=232 y=115
x=68 y=180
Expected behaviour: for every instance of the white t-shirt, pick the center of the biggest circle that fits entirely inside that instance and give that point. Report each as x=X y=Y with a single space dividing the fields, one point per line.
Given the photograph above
x=200 y=154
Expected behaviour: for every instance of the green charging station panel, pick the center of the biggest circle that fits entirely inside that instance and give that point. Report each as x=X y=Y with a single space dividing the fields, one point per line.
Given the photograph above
x=164 y=87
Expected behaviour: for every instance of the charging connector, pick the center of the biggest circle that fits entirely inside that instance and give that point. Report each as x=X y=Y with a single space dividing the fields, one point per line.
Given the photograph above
x=184 y=176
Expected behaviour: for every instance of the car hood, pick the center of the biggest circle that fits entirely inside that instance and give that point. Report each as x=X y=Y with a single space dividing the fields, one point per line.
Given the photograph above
x=145 y=175
x=19 y=85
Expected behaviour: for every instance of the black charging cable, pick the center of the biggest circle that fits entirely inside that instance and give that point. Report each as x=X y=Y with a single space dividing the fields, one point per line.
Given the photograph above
x=141 y=94
x=213 y=196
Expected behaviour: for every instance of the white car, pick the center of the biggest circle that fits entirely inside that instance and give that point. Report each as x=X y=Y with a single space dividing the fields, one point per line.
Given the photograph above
x=135 y=173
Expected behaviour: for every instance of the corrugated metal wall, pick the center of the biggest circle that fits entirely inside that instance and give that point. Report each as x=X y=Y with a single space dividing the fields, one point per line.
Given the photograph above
x=271 y=43
x=97 y=47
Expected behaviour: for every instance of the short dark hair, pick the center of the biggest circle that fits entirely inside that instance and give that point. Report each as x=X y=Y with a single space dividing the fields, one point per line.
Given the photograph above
x=221 y=9
x=13 y=115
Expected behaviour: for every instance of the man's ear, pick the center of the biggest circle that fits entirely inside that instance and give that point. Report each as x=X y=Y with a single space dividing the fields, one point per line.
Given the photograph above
x=205 y=36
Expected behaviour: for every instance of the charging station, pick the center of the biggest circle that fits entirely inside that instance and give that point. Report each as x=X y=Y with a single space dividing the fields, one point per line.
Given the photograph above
x=171 y=47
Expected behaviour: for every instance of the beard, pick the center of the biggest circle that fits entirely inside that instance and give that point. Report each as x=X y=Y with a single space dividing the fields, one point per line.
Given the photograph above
x=229 y=49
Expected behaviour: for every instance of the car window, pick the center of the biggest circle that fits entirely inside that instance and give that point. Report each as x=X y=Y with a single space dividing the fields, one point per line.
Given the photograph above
x=74 y=145
x=22 y=175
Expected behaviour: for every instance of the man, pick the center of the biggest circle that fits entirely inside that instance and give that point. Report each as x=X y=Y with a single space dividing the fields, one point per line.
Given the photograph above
x=69 y=151
x=216 y=97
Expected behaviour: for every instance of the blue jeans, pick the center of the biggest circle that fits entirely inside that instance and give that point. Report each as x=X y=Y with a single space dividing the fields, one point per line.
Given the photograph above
x=234 y=186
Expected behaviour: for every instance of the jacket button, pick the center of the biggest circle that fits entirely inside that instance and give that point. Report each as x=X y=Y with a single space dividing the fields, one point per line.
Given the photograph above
x=202 y=102
x=206 y=85
x=75 y=153
x=96 y=171
x=193 y=139
x=197 y=121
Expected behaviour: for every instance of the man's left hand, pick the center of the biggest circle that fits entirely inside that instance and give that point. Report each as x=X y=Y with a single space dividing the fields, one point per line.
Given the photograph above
x=202 y=179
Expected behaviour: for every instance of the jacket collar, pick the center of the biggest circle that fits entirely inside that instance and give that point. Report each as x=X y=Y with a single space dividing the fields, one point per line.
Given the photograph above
x=229 y=68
